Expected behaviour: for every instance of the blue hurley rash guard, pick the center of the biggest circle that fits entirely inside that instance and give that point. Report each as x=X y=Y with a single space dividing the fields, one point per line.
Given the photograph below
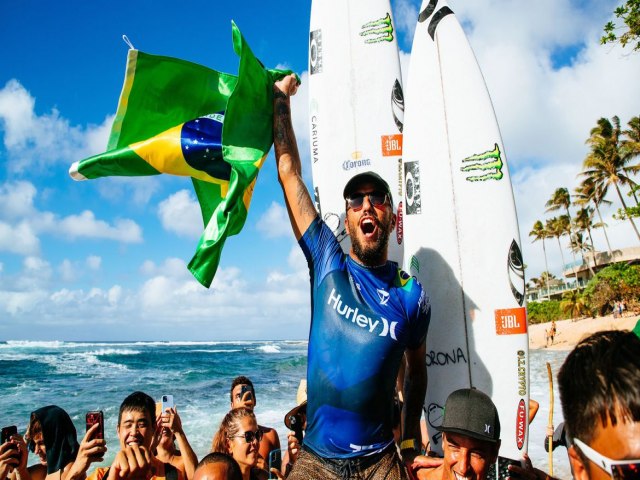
x=363 y=319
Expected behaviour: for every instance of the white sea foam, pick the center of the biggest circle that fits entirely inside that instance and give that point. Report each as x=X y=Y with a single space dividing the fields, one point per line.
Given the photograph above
x=114 y=351
x=33 y=344
x=269 y=348
x=230 y=350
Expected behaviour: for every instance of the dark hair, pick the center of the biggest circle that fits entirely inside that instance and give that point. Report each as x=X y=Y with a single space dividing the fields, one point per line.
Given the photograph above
x=228 y=460
x=139 y=402
x=241 y=380
x=229 y=427
x=58 y=434
x=600 y=379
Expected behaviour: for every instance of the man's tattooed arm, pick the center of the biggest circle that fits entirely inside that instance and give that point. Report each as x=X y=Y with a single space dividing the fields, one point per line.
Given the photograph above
x=297 y=198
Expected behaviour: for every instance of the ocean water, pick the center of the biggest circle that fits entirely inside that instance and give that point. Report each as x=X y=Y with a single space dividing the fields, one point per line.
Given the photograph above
x=97 y=376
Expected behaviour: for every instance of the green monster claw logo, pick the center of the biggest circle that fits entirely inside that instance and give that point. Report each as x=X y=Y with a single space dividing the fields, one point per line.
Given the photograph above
x=415 y=264
x=382 y=29
x=484 y=162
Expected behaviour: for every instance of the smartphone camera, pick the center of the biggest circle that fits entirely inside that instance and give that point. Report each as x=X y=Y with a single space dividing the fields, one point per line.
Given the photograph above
x=295 y=422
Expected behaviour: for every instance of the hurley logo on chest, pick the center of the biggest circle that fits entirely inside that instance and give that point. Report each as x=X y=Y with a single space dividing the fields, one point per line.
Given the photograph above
x=381 y=327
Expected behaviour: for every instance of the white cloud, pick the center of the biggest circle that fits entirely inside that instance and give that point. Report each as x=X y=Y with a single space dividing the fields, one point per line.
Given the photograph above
x=180 y=213
x=35 y=142
x=136 y=190
x=85 y=225
x=16 y=199
x=93 y=262
x=19 y=239
x=67 y=271
x=172 y=267
x=274 y=222
x=24 y=223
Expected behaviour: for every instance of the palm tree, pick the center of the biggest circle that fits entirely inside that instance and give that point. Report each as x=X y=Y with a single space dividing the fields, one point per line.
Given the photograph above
x=561 y=199
x=584 y=221
x=579 y=245
x=588 y=192
x=630 y=149
x=540 y=233
x=558 y=227
x=573 y=304
x=607 y=163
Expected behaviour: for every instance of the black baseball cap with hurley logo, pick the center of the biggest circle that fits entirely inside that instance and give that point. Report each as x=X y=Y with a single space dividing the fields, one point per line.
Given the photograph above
x=470 y=412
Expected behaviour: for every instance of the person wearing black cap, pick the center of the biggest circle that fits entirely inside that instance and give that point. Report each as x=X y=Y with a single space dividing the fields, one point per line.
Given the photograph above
x=367 y=317
x=470 y=437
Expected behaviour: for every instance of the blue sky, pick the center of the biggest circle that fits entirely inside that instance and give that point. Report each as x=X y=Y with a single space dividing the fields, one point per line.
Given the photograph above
x=105 y=259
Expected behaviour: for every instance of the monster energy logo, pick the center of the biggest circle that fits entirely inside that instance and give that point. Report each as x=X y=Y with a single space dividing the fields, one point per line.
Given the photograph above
x=415 y=264
x=381 y=30
x=488 y=161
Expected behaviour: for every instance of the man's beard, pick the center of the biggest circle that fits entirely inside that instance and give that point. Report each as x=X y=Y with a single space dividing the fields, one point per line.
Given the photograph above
x=372 y=255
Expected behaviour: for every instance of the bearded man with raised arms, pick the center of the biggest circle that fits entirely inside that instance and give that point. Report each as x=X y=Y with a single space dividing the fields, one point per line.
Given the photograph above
x=367 y=315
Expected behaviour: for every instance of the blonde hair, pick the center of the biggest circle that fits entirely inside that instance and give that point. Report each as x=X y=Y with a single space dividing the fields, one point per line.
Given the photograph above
x=229 y=427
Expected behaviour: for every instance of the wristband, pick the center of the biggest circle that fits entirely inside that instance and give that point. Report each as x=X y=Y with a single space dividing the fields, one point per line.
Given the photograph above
x=410 y=444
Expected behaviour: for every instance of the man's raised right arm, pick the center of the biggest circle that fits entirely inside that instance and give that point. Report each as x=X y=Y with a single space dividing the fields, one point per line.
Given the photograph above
x=296 y=196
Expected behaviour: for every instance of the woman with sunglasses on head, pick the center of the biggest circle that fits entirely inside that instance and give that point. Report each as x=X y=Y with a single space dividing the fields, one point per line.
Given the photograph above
x=239 y=436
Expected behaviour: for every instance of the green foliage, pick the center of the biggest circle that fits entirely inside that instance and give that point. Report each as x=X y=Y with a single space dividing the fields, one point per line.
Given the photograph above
x=629 y=212
x=541 y=312
x=629 y=13
x=574 y=304
x=616 y=282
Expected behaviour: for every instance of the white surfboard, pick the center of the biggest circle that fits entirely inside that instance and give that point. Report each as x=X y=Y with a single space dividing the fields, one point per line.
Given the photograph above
x=461 y=230
x=355 y=105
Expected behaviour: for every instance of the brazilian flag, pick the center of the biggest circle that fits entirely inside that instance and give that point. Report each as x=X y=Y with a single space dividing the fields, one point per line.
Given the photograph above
x=184 y=119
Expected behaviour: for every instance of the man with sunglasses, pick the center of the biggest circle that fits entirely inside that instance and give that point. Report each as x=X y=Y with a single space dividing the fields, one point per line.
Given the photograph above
x=600 y=394
x=367 y=317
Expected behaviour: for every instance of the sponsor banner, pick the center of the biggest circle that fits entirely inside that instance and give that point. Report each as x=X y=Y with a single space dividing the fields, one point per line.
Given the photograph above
x=315 y=52
x=511 y=321
x=399 y=227
x=351 y=164
x=412 y=188
x=391 y=145
x=378 y=30
x=484 y=166
x=521 y=424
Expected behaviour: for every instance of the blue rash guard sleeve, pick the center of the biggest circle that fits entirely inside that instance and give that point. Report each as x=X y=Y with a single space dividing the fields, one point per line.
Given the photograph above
x=362 y=321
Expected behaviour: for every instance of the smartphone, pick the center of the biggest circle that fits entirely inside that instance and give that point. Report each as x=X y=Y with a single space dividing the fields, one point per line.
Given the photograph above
x=296 y=425
x=275 y=461
x=244 y=389
x=167 y=402
x=500 y=469
x=95 y=417
x=7 y=433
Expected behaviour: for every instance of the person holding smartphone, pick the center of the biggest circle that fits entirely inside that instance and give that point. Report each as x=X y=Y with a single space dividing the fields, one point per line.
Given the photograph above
x=169 y=431
x=13 y=454
x=243 y=394
x=136 y=460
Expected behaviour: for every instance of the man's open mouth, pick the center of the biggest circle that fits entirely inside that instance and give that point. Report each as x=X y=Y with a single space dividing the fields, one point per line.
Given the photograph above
x=368 y=226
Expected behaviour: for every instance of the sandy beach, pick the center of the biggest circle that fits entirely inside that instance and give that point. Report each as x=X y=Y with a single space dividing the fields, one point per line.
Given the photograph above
x=569 y=333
